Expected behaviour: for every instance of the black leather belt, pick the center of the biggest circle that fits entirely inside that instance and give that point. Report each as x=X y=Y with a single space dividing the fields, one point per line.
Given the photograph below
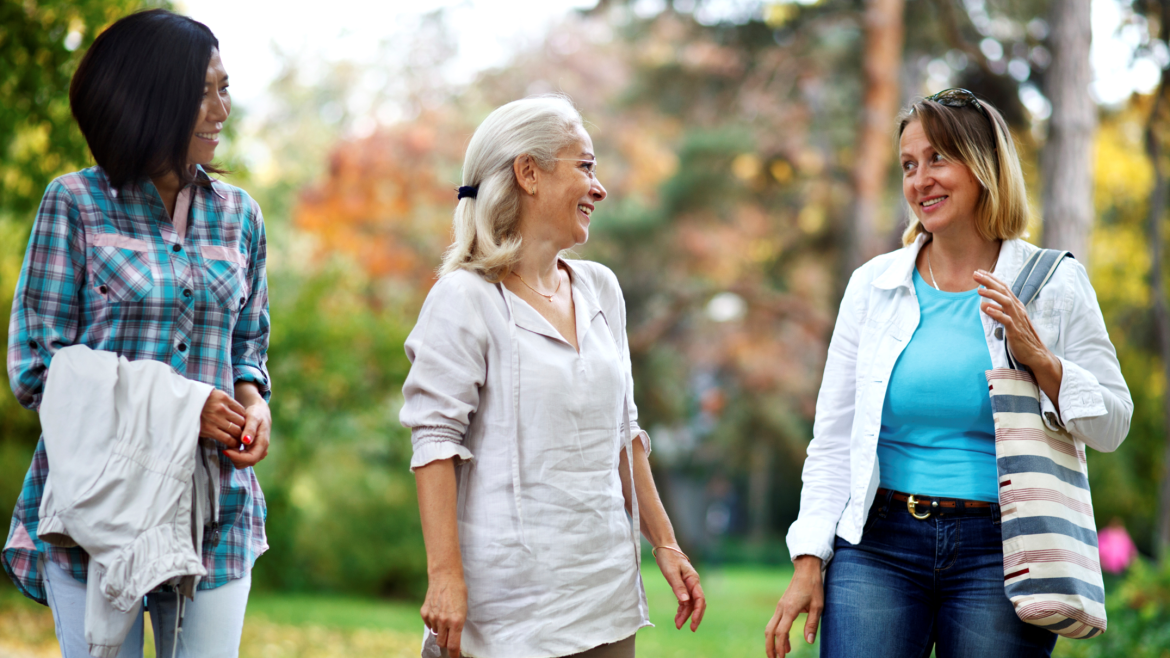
x=934 y=504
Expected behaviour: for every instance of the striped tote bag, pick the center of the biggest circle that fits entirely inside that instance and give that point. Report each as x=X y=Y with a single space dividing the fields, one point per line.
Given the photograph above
x=1052 y=570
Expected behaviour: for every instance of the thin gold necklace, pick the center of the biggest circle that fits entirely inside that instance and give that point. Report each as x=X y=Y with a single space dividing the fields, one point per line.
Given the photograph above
x=548 y=297
x=931 y=269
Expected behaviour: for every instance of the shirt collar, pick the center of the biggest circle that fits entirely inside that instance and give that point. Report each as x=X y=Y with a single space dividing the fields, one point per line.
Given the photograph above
x=146 y=186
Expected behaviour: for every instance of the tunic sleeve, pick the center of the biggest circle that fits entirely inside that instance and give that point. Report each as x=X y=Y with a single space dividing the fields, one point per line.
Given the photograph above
x=447 y=349
x=608 y=282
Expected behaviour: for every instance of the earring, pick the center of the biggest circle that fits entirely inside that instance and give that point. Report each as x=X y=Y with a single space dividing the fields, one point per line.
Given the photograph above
x=532 y=192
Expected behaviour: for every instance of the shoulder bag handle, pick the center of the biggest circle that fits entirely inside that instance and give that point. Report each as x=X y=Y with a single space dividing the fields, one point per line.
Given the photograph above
x=1036 y=273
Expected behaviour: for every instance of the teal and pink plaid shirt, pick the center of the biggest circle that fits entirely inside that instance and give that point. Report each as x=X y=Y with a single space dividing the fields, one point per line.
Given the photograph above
x=107 y=268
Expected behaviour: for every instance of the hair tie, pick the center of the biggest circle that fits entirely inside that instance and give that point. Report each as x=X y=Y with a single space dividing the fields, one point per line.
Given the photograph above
x=468 y=191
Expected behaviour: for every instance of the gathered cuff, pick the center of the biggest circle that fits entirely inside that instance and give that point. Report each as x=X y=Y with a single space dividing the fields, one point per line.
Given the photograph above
x=437 y=443
x=1080 y=397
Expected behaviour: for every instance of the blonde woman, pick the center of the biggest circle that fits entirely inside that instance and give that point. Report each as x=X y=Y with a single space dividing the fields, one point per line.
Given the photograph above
x=900 y=484
x=521 y=408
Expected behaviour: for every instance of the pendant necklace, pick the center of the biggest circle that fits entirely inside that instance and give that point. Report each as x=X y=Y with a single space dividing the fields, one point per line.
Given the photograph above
x=931 y=269
x=548 y=297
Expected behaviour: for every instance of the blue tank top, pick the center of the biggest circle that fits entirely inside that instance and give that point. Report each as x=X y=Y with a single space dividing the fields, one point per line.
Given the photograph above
x=938 y=435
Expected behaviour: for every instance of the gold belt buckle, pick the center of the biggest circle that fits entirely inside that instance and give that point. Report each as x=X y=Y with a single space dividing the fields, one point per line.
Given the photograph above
x=912 y=504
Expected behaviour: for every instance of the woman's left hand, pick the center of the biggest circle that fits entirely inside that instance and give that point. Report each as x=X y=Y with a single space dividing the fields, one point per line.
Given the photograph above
x=1001 y=305
x=257 y=427
x=684 y=580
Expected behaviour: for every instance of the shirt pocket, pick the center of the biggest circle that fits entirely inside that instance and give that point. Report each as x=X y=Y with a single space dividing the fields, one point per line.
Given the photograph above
x=119 y=267
x=225 y=276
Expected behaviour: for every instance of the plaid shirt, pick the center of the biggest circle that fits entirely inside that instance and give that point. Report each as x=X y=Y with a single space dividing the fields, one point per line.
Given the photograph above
x=106 y=268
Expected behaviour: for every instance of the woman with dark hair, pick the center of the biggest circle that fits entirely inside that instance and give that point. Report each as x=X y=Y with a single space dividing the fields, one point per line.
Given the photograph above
x=899 y=541
x=146 y=257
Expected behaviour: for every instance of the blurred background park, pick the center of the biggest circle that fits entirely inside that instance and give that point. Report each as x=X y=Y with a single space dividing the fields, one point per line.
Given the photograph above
x=747 y=146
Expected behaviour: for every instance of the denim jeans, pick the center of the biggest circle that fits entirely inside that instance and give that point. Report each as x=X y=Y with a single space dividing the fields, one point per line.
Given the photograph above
x=912 y=585
x=211 y=626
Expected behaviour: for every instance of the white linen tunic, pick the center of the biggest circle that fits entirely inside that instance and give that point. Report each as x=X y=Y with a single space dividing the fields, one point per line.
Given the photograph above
x=549 y=555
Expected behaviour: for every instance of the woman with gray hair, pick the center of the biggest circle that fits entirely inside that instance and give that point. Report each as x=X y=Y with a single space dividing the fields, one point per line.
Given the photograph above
x=521 y=408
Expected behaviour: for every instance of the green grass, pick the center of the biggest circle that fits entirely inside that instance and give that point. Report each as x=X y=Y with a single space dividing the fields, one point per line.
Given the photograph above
x=740 y=602
x=740 y=599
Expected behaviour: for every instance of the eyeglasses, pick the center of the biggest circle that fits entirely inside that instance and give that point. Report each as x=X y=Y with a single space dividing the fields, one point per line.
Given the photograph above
x=590 y=166
x=959 y=97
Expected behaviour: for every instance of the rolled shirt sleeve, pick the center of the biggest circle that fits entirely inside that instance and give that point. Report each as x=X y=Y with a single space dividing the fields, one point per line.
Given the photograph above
x=45 y=312
x=250 y=335
x=827 y=469
x=1095 y=403
x=627 y=365
x=447 y=350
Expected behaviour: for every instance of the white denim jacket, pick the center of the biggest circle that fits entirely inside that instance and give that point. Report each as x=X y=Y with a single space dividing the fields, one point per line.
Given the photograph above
x=878 y=316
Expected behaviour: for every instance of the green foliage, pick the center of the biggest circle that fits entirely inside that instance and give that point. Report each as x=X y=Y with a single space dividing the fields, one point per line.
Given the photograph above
x=342 y=512
x=1138 y=609
x=40 y=45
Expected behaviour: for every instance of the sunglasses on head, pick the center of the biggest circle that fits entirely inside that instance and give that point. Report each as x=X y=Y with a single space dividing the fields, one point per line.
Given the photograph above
x=959 y=97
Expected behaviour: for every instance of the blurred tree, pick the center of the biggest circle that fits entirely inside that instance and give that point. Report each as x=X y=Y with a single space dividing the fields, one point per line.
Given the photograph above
x=1157 y=132
x=1066 y=161
x=881 y=61
x=41 y=44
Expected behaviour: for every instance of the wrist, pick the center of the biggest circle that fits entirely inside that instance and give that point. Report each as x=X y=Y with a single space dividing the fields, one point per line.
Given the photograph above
x=806 y=563
x=445 y=572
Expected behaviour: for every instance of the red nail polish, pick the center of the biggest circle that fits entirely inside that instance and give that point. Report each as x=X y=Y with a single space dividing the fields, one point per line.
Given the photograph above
x=247 y=440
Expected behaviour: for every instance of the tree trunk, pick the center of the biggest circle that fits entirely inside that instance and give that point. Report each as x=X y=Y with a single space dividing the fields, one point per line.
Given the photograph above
x=882 y=61
x=1161 y=321
x=1154 y=127
x=1067 y=158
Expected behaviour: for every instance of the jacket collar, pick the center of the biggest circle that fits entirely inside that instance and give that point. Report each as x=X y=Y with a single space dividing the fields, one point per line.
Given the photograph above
x=900 y=273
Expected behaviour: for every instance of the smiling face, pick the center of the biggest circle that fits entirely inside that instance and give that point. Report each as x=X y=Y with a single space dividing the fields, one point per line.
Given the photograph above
x=942 y=193
x=566 y=196
x=213 y=111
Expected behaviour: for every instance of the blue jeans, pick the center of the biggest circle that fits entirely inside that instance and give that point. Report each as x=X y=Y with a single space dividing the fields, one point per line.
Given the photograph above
x=212 y=624
x=912 y=585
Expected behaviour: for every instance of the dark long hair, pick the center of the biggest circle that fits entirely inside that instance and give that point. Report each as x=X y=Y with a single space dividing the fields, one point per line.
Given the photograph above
x=137 y=92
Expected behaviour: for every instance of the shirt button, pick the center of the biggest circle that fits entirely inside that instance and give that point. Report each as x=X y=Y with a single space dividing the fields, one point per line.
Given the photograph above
x=243 y=301
x=186 y=292
x=32 y=344
x=999 y=333
x=182 y=347
x=103 y=290
x=177 y=248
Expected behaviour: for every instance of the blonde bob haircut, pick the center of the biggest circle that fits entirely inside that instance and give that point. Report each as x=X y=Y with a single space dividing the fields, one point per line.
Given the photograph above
x=487 y=241
x=983 y=143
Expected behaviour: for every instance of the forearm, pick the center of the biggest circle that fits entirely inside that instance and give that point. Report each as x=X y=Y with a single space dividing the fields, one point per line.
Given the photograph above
x=655 y=524
x=437 y=509
x=1049 y=375
x=248 y=394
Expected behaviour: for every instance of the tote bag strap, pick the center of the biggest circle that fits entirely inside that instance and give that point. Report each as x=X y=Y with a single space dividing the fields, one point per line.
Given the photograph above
x=1036 y=273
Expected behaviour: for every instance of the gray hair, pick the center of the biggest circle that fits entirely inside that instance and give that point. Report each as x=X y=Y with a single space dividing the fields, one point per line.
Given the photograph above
x=486 y=227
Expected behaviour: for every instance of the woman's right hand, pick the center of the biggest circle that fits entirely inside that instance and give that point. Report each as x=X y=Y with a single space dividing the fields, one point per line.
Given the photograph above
x=805 y=594
x=445 y=610
x=222 y=419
